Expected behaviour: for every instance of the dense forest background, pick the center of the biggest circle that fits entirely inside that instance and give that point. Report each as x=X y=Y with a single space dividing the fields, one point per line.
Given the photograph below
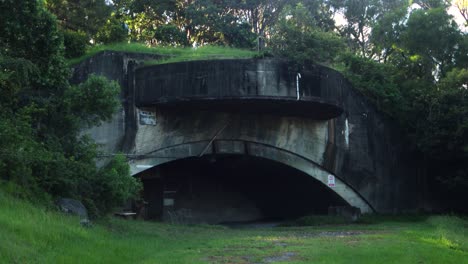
x=410 y=58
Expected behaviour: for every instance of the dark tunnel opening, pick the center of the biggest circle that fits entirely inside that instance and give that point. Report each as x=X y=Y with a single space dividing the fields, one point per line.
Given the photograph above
x=232 y=188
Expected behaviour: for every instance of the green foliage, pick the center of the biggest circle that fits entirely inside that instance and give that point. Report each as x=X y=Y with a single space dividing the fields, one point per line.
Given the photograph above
x=170 y=35
x=238 y=35
x=93 y=101
x=440 y=130
x=113 y=31
x=41 y=114
x=80 y=15
x=419 y=79
x=16 y=75
x=297 y=38
x=113 y=185
x=233 y=35
x=29 y=32
x=377 y=81
x=226 y=22
x=142 y=16
x=433 y=36
x=171 y=54
x=75 y=43
x=360 y=15
x=18 y=151
x=386 y=33
x=446 y=124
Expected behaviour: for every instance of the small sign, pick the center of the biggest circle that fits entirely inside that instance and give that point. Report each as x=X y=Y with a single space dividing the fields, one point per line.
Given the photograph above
x=147 y=118
x=168 y=202
x=331 y=180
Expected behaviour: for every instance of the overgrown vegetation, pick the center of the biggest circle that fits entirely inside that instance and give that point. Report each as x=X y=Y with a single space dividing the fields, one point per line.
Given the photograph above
x=43 y=236
x=171 y=54
x=42 y=153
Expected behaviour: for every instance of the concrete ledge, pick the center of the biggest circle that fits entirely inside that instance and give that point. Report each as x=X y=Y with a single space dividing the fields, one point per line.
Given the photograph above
x=312 y=107
x=265 y=86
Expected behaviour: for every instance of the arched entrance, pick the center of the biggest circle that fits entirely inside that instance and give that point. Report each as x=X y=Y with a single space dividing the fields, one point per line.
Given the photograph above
x=160 y=164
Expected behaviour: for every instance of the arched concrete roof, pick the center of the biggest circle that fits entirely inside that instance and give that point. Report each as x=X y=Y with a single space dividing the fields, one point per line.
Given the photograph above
x=240 y=147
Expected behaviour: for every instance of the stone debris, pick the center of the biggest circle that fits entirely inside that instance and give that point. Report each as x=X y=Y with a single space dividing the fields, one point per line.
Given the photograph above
x=74 y=207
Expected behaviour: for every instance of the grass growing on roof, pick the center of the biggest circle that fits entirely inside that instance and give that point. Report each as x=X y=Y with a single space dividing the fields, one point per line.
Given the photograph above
x=173 y=54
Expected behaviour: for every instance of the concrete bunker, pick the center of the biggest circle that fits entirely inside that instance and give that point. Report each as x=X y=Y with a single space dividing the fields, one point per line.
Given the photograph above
x=173 y=111
x=237 y=181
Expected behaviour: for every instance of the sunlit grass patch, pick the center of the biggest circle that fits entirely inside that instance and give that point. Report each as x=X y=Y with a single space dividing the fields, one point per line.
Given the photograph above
x=442 y=242
x=170 y=54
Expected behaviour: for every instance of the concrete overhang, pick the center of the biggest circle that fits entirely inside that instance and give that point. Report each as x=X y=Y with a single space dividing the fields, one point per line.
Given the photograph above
x=311 y=107
x=263 y=86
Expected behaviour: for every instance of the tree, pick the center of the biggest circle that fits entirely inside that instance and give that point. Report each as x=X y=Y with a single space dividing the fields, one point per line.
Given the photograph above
x=170 y=35
x=421 y=82
x=431 y=4
x=386 y=34
x=80 y=15
x=298 y=38
x=41 y=115
x=433 y=36
x=462 y=6
x=261 y=14
x=114 y=31
x=361 y=16
x=143 y=16
x=217 y=22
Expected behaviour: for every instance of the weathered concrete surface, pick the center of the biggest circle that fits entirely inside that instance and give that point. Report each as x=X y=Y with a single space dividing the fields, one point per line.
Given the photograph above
x=259 y=86
x=116 y=134
x=361 y=147
x=291 y=141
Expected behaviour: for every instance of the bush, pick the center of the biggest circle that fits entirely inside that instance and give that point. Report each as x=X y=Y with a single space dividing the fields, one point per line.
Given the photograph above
x=111 y=187
x=170 y=35
x=239 y=36
x=94 y=100
x=113 y=31
x=75 y=43
x=298 y=39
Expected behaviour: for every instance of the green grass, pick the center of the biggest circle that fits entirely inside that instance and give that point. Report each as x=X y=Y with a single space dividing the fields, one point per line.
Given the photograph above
x=32 y=234
x=171 y=54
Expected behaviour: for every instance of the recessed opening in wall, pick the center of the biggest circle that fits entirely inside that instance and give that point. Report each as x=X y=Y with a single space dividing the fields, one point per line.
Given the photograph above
x=232 y=188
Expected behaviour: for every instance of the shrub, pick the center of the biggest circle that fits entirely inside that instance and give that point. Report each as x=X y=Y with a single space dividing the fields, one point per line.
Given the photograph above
x=170 y=35
x=75 y=43
x=112 y=186
x=112 y=32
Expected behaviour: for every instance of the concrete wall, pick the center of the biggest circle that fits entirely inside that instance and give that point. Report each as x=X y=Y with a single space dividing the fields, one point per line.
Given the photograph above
x=117 y=134
x=361 y=147
x=261 y=86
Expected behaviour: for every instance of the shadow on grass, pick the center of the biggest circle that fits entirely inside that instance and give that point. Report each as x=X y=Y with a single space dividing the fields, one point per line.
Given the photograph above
x=321 y=220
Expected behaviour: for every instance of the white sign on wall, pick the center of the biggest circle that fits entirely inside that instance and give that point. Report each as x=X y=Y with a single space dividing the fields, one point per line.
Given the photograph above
x=331 y=181
x=147 y=118
x=168 y=202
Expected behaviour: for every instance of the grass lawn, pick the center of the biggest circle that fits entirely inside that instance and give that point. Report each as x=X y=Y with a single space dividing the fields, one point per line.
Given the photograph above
x=173 y=54
x=32 y=234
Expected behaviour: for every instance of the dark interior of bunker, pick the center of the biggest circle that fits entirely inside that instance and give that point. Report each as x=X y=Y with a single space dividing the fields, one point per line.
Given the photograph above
x=220 y=189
